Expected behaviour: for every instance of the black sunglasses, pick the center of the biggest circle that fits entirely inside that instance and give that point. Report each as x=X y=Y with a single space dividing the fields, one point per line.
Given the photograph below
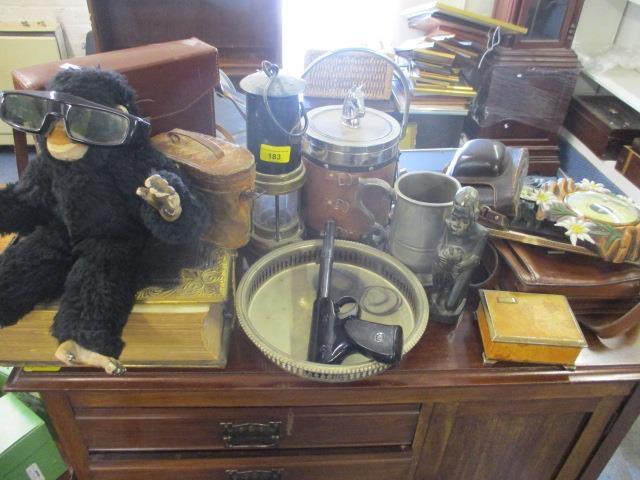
x=34 y=111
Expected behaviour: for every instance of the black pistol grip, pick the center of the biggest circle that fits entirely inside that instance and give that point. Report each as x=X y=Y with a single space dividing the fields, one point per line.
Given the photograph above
x=376 y=340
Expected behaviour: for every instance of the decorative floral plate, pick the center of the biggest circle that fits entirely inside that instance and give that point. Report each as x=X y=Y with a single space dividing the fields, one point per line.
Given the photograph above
x=590 y=215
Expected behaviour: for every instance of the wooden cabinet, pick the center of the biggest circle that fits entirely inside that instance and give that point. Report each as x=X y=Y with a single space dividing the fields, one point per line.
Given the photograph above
x=550 y=438
x=245 y=32
x=441 y=414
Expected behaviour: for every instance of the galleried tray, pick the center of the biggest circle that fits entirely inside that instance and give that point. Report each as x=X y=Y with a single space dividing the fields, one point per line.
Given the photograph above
x=275 y=298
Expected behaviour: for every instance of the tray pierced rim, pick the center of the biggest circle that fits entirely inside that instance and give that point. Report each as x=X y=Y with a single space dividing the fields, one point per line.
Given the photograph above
x=319 y=371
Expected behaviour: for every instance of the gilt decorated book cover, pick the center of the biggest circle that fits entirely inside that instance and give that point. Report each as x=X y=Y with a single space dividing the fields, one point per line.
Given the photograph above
x=177 y=321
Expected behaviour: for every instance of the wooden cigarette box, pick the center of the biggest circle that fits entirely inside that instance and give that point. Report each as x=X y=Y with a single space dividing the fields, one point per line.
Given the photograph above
x=528 y=327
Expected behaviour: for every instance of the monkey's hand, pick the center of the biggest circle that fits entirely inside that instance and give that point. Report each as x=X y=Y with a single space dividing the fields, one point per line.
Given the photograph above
x=72 y=354
x=163 y=197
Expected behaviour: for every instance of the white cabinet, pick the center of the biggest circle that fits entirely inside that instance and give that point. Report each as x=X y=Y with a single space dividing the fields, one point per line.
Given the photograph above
x=21 y=45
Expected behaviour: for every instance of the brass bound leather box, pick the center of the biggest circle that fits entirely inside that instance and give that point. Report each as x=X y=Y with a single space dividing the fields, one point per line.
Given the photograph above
x=528 y=327
x=177 y=321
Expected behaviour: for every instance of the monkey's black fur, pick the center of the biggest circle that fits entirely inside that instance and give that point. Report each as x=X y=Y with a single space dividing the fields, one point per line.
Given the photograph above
x=83 y=228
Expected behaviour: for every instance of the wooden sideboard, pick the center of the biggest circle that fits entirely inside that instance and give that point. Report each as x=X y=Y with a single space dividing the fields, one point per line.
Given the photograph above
x=441 y=414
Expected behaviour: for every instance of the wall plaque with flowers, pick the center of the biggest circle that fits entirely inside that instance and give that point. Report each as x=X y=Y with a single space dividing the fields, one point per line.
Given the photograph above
x=592 y=216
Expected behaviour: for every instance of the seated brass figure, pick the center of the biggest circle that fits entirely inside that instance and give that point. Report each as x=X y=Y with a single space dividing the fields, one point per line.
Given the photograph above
x=459 y=251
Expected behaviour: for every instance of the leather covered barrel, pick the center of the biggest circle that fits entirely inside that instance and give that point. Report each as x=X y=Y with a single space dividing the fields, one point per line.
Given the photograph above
x=350 y=153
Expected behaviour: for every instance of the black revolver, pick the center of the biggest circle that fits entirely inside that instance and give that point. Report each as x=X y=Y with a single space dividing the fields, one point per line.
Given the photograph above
x=334 y=337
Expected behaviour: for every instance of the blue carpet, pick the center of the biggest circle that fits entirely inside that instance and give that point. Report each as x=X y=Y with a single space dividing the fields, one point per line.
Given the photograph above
x=577 y=167
x=432 y=159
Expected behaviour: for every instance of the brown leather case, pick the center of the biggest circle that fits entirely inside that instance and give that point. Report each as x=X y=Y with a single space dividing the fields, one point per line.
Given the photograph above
x=225 y=173
x=174 y=81
x=502 y=191
x=575 y=276
x=598 y=291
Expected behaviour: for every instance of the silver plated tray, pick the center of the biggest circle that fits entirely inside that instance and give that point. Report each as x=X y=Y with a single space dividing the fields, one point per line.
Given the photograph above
x=275 y=298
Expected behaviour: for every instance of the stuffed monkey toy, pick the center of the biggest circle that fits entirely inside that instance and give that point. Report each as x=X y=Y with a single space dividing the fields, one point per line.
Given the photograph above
x=84 y=213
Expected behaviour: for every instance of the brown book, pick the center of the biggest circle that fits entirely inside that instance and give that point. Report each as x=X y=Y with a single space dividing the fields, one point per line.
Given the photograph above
x=439 y=26
x=452 y=79
x=177 y=321
x=439 y=100
x=433 y=68
x=459 y=51
x=431 y=55
x=528 y=327
x=428 y=91
x=432 y=81
x=459 y=15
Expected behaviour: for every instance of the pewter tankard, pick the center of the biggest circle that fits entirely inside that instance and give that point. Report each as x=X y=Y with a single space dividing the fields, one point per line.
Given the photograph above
x=422 y=201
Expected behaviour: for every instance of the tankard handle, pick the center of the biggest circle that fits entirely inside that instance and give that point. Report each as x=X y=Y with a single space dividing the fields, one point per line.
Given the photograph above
x=375 y=229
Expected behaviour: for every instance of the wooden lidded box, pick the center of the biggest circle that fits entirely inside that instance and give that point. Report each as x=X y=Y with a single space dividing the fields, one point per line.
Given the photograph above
x=177 y=321
x=528 y=327
x=602 y=123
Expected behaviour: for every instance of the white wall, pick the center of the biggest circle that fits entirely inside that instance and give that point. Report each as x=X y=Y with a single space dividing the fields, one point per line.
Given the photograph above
x=72 y=15
x=628 y=36
x=331 y=24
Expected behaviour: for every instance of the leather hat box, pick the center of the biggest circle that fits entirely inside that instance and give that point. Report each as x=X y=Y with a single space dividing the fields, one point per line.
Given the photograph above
x=602 y=123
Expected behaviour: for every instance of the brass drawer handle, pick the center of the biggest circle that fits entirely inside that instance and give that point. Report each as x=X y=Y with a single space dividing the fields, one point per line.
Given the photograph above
x=251 y=435
x=254 y=475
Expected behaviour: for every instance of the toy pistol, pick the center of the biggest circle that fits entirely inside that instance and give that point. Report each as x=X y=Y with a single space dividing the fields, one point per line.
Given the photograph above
x=334 y=337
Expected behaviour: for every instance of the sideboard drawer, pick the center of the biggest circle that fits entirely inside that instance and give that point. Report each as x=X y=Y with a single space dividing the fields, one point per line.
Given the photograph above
x=127 y=429
x=378 y=466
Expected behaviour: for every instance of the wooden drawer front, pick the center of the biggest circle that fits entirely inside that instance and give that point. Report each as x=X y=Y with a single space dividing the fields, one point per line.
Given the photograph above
x=116 y=429
x=378 y=466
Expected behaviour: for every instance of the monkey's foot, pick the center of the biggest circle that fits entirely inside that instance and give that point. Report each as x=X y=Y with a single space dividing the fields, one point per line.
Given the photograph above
x=72 y=354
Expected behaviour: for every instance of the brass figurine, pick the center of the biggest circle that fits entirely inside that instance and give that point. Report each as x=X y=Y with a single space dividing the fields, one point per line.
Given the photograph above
x=459 y=252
